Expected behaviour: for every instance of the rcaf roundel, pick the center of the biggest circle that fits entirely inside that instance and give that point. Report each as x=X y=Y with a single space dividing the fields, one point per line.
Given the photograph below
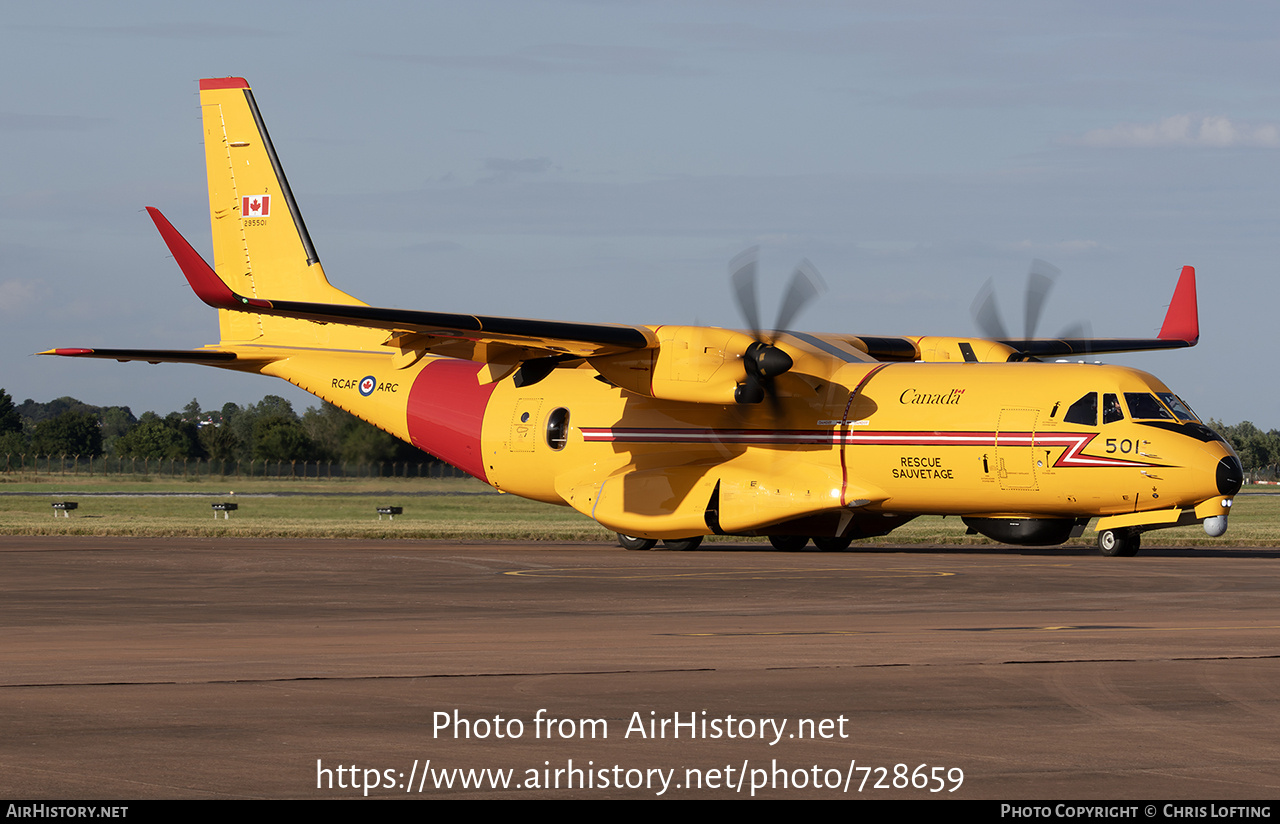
x=368 y=385
x=255 y=206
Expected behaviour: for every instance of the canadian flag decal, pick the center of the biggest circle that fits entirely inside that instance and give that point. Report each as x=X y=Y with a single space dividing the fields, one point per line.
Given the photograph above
x=255 y=206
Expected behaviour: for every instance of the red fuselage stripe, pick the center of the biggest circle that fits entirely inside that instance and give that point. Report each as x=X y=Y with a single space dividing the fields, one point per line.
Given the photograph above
x=1071 y=443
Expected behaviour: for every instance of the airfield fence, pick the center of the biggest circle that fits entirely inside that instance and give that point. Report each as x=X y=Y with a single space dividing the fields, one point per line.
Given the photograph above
x=195 y=468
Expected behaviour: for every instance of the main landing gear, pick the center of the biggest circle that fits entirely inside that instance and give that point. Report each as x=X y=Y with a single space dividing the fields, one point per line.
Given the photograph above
x=683 y=545
x=1119 y=543
x=628 y=542
x=836 y=544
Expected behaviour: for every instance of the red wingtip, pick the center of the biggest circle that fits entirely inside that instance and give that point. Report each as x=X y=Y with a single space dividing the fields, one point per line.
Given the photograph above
x=71 y=352
x=204 y=281
x=223 y=83
x=1182 y=321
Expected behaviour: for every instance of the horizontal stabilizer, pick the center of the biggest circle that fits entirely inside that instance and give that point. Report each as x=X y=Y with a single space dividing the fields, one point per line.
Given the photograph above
x=212 y=357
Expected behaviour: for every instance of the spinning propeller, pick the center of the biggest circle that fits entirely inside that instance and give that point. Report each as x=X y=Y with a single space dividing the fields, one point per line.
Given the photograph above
x=763 y=360
x=1040 y=280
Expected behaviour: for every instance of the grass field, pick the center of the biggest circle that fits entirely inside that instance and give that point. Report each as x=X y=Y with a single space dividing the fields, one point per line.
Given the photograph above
x=460 y=509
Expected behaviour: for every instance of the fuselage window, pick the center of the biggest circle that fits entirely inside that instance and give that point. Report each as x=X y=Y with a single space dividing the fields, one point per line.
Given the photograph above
x=558 y=428
x=1111 y=411
x=1144 y=406
x=1083 y=411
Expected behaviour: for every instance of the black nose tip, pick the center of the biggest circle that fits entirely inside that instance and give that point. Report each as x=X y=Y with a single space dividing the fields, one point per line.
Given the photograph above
x=1230 y=475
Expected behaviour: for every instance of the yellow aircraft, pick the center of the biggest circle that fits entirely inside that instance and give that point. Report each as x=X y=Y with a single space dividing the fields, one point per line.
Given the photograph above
x=673 y=433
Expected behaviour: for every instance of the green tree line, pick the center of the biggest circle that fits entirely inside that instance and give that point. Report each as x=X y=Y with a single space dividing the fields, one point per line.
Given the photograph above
x=1259 y=451
x=269 y=430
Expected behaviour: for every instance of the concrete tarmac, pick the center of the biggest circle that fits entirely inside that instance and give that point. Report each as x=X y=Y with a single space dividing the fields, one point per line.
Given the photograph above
x=210 y=668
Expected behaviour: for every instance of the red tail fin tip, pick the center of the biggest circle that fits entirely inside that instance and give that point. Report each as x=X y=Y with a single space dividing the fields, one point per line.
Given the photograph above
x=1182 y=321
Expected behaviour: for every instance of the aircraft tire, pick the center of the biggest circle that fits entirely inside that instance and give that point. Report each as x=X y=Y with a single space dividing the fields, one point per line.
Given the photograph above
x=684 y=544
x=630 y=542
x=833 y=544
x=789 y=543
x=1119 y=543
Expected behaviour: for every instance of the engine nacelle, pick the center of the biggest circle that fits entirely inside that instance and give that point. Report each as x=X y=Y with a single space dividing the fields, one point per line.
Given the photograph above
x=696 y=364
x=935 y=349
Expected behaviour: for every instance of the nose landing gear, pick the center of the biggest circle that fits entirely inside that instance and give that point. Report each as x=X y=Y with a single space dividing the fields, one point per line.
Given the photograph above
x=1119 y=543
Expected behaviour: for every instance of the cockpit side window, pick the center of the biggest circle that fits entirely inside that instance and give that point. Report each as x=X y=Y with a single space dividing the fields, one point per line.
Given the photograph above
x=1144 y=406
x=1111 y=411
x=1083 y=411
x=1179 y=408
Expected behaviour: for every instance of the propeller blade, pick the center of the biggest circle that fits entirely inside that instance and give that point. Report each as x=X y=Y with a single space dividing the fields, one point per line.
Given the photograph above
x=1039 y=282
x=986 y=314
x=743 y=277
x=805 y=286
x=1080 y=330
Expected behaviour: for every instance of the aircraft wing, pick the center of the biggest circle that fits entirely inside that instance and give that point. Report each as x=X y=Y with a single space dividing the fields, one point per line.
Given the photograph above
x=1181 y=329
x=1083 y=347
x=914 y=348
x=544 y=336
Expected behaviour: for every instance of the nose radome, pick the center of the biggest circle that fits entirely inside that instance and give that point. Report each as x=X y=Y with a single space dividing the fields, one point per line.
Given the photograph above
x=1230 y=475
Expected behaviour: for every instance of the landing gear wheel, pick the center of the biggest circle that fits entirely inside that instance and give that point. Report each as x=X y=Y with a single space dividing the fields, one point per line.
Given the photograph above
x=684 y=544
x=629 y=542
x=833 y=544
x=789 y=543
x=1119 y=543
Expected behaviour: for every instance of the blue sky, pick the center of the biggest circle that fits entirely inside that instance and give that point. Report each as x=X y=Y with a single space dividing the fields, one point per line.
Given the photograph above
x=605 y=160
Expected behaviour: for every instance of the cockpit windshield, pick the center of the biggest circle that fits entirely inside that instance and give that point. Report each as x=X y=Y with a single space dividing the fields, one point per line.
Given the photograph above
x=1144 y=406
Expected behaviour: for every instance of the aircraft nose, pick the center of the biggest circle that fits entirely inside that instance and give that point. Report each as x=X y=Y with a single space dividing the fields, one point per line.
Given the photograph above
x=1230 y=475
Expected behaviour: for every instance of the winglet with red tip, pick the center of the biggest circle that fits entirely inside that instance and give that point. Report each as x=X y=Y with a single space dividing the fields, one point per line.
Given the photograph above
x=223 y=83
x=203 y=279
x=1182 y=321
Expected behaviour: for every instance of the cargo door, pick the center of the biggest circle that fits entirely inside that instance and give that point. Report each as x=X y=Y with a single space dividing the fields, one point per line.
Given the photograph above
x=1015 y=448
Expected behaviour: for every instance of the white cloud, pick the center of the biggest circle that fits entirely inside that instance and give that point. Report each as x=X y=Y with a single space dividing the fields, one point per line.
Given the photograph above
x=1185 y=130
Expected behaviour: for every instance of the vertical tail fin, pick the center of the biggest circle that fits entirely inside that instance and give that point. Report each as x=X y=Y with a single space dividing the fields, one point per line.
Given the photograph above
x=261 y=247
